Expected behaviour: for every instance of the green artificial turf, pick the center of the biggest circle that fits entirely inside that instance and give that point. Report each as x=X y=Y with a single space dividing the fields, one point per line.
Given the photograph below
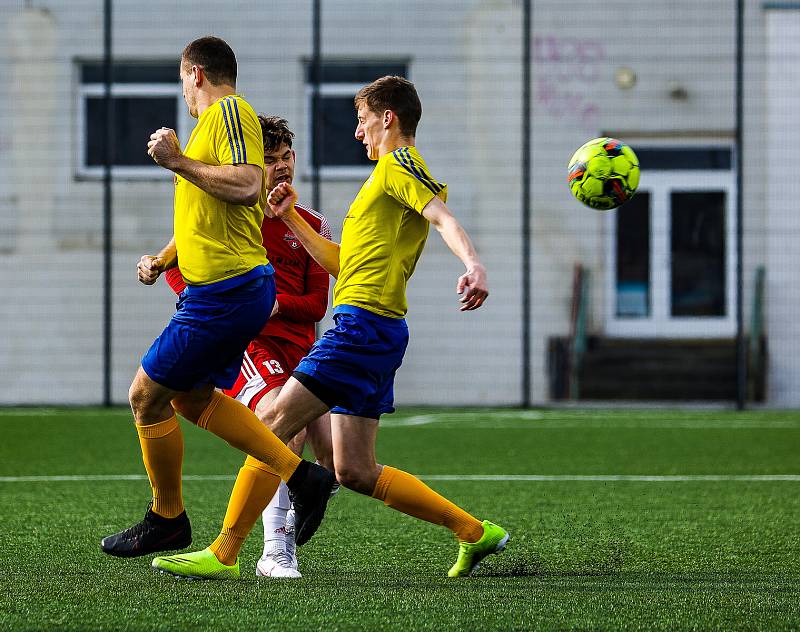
x=605 y=554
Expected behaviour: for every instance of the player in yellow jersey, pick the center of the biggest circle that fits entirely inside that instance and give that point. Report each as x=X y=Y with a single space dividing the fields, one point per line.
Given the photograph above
x=350 y=370
x=220 y=194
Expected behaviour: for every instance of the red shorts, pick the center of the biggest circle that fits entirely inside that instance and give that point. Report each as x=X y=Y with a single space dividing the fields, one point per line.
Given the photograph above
x=268 y=364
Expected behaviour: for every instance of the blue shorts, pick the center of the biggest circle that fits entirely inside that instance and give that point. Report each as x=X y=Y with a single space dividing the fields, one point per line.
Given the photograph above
x=205 y=340
x=351 y=368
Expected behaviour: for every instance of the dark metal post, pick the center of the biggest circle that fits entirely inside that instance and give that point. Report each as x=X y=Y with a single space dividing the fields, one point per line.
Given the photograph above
x=316 y=124
x=526 y=209
x=108 y=159
x=741 y=349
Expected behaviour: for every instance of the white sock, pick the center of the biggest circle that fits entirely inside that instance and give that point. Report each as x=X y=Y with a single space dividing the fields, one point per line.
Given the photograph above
x=274 y=518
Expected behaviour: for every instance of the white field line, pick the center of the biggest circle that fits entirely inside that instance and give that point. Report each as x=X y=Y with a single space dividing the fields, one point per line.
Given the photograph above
x=535 y=420
x=636 y=478
x=497 y=419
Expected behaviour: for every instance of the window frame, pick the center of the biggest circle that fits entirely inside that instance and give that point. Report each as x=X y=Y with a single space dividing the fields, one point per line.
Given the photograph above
x=348 y=88
x=124 y=89
x=660 y=184
x=332 y=172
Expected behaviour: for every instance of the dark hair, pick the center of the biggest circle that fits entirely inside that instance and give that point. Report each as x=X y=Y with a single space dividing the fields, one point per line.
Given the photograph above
x=216 y=58
x=396 y=94
x=276 y=132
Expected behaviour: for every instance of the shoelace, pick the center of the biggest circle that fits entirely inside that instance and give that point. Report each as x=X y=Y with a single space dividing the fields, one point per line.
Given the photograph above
x=136 y=530
x=139 y=528
x=291 y=549
x=281 y=558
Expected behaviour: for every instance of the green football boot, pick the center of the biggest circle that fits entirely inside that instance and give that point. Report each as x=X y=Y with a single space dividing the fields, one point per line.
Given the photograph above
x=470 y=554
x=198 y=565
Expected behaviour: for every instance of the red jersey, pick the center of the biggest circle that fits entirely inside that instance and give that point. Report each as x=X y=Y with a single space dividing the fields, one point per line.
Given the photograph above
x=301 y=283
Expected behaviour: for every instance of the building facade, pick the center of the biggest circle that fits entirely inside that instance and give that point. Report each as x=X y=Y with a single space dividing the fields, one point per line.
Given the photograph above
x=660 y=76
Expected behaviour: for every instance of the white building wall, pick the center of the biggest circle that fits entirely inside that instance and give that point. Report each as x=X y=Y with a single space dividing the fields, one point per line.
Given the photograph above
x=782 y=223
x=465 y=60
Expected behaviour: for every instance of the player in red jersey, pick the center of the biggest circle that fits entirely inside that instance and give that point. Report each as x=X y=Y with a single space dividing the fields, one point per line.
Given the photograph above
x=301 y=302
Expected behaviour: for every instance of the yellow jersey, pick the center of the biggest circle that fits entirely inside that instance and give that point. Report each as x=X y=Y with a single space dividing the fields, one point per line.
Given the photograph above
x=217 y=240
x=384 y=233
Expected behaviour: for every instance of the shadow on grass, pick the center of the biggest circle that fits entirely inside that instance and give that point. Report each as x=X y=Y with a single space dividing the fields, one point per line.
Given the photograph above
x=603 y=562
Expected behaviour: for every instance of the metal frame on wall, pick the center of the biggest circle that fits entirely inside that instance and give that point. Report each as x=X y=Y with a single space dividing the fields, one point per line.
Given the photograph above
x=108 y=159
x=526 y=204
x=741 y=348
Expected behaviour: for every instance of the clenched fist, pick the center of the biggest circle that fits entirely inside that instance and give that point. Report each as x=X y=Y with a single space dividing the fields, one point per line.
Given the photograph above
x=282 y=198
x=149 y=269
x=164 y=147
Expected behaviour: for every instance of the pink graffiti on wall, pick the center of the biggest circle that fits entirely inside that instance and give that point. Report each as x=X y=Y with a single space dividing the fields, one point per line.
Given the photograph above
x=566 y=70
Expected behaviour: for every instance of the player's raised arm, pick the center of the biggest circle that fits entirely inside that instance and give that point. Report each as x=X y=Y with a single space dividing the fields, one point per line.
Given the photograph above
x=326 y=253
x=472 y=284
x=235 y=184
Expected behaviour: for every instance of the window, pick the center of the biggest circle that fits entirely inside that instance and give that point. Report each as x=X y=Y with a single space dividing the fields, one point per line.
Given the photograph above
x=697 y=253
x=340 y=155
x=145 y=96
x=633 y=257
x=671 y=256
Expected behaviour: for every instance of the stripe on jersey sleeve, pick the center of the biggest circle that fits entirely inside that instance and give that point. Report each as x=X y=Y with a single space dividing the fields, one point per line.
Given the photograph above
x=420 y=175
x=228 y=127
x=241 y=133
x=232 y=131
x=421 y=170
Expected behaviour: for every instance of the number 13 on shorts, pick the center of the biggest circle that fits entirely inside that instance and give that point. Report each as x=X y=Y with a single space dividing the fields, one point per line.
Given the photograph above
x=273 y=366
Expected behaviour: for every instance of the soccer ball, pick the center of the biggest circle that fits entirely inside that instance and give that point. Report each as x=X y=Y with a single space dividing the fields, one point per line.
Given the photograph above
x=603 y=173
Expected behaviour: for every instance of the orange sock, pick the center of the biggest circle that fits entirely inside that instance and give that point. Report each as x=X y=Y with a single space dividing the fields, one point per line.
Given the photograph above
x=254 y=488
x=404 y=492
x=162 y=453
x=238 y=425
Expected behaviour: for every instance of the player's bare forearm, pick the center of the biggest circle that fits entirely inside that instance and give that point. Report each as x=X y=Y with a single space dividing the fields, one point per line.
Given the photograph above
x=472 y=285
x=150 y=267
x=235 y=184
x=458 y=241
x=168 y=255
x=324 y=251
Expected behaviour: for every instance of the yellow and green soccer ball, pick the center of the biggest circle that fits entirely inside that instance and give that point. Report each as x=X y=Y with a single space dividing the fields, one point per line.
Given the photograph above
x=603 y=173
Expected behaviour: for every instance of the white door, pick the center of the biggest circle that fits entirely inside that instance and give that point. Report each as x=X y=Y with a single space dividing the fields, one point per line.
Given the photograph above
x=671 y=257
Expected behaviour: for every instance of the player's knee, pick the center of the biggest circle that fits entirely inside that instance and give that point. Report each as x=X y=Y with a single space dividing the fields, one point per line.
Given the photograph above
x=183 y=408
x=139 y=400
x=191 y=405
x=354 y=478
